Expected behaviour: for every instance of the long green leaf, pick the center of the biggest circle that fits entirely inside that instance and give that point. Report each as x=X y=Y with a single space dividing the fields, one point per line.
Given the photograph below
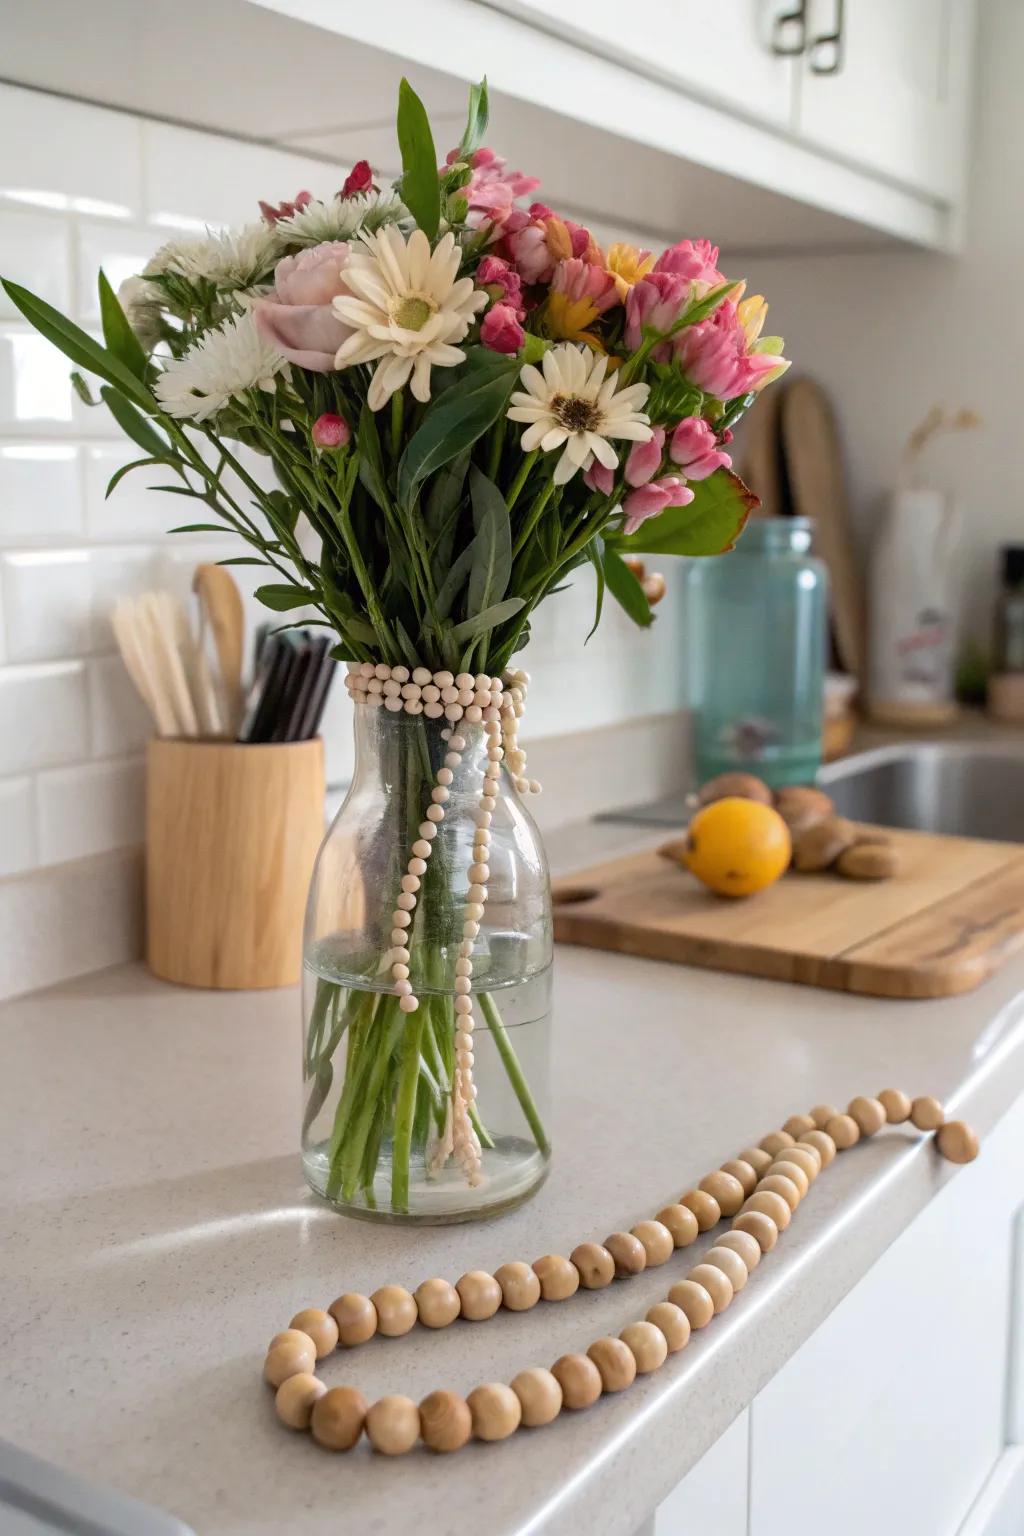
x=119 y=474
x=710 y=525
x=476 y=120
x=625 y=588
x=121 y=340
x=492 y=558
x=595 y=552
x=371 y=460
x=454 y=581
x=77 y=344
x=134 y=425
x=281 y=597
x=421 y=191
x=490 y=618
x=453 y=423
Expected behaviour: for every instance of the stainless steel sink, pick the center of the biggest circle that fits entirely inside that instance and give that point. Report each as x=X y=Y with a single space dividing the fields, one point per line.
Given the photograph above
x=967 y=789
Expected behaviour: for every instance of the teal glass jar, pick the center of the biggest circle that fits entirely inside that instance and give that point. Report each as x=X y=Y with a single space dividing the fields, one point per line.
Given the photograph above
x=756 y=646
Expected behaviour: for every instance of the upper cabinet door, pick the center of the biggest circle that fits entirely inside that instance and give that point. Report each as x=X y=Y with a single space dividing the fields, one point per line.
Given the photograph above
x=721 y=52
x=892 y=92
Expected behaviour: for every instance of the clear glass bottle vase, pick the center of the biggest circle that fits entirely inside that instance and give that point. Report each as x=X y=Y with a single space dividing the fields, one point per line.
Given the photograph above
x=377 y=1081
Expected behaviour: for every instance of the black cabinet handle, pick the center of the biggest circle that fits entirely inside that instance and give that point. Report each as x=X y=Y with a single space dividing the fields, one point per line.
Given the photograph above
x=825 y=54
x=795 y=22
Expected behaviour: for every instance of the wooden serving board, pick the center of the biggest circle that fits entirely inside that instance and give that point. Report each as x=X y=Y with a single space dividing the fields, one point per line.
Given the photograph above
x=950 y=918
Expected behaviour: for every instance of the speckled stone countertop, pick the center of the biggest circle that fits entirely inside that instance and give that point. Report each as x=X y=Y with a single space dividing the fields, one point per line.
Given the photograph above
x=156 y=1231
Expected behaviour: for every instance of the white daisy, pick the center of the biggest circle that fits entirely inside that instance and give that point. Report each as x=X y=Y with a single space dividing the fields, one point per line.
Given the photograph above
x=407 y=307
x=573 y=403
x=341 y=218
x=230 y=258
x=225 y=363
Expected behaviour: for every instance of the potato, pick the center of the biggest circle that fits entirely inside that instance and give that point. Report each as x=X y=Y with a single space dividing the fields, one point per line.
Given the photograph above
x=743 y=785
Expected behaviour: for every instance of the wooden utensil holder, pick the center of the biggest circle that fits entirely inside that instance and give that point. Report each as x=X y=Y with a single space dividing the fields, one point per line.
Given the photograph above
x=231 y=835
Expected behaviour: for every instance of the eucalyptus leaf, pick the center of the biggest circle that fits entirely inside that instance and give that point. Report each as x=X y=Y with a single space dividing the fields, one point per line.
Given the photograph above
x=77 y=344
x=281 y=596
x=710 y=525
x=453 y=422
x=625 y=588
x=121 y=340
x=490 y=618
x=421 y=192
x=492 y=558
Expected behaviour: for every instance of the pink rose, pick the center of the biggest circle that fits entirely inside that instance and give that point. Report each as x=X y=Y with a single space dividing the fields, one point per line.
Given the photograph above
x=331 y=431
x=645 y=459
x=696 y=260
x=656 y=302
x=651 y=499
x=299 y=320
x=501 y=330
x=359 y=179
x=694 y=449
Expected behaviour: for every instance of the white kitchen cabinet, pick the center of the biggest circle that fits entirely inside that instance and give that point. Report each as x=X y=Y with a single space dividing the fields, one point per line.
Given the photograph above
x=897 y=99
x=713 y=1494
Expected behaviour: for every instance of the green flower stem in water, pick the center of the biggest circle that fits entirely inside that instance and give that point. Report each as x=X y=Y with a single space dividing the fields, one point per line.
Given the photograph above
x=499 y=1034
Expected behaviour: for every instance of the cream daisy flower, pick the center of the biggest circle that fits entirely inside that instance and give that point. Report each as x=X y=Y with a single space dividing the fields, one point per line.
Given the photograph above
x=341 y=218
x=225 y=363
x=406 y=307
x=573 y=403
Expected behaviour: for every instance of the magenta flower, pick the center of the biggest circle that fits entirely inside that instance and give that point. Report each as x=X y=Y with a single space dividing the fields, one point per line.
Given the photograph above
x=358 y=180
x=502 y=282
x=330 y=431
x=715 y=355
x=694 y=449
x=285 y=210
x=298 y=320
x=651 y=499
x=645 y=459
x=492 y=191
x=500 y=329
x=696 y=260
x=657 y=302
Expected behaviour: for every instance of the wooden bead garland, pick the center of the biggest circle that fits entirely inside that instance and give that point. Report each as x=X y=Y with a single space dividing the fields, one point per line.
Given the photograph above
x=785 y=1166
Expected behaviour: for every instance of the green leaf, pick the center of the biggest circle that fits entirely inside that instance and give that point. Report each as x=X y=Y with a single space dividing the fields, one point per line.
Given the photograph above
x=476 y=120
x=134 y=425
x=121 y=340
x=281 y=596
x=371 y=459
x=286 y=509
x=625 y=588
x=710 y=525
x=454 y=581
x=206 y=528
x=77 y=344
x=453 y=422
x=238 y=559
x=119 y=474
x=706 y=306
x=82 y=390
x=445 y=493
x=595 y=551
x=421 y=191
x=492 y=547
x=490 y=618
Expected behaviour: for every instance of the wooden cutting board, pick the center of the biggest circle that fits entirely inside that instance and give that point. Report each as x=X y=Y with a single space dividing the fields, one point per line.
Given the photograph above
x=951 y=917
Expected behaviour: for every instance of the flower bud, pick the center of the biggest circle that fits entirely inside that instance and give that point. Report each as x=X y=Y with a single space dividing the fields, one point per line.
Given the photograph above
x=330 y=431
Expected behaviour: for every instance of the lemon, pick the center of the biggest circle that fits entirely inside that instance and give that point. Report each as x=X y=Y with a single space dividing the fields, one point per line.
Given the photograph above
x=737 y=846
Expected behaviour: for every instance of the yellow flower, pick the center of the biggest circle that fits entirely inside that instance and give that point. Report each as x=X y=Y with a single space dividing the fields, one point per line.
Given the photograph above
x=627 y=265
x=566 y=319
x=752 y=312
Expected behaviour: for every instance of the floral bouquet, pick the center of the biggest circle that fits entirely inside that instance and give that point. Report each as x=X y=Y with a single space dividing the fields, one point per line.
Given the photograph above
x=460 y=399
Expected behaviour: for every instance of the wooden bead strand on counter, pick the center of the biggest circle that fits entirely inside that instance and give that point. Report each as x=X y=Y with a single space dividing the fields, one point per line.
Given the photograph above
x=760 y=1190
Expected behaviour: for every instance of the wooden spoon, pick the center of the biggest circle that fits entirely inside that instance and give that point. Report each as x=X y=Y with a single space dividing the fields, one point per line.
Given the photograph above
x=221 y=605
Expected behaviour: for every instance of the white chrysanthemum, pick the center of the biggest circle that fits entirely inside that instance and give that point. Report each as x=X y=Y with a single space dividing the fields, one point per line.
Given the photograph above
x=341 y=218
x=573 y=403
x=408 y=307
x=225 y=363
x=142 y=303
x=232 y=258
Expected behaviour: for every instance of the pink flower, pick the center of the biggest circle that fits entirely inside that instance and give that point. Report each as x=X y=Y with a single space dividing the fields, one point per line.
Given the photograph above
x=693 y=259
x=285 y=210
x=359 y=179
x=492 y=190
x=330 y=431
x=298 y=320
x=694 y=449
x=715 y=355
x=502 y=282
x=599 y=478
x=544 y=240
x=645 y=459
x=656 y=302
x=651 y=499
x=501 y=330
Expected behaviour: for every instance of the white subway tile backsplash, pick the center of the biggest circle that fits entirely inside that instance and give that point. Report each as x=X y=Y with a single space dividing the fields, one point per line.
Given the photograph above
x=121 y=250
x=35 y=381
x=133 y=510
x=40 y=494
x=17 y=827
x=35 y=251
x=193 y=179
x=89 y=809
x=120 y=571
x=47 y=603
x=66 y=156
x=43 y=716
x=119 y=721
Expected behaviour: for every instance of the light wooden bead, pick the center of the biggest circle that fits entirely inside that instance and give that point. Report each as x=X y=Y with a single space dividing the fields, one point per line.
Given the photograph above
x=445 y=1421
x=396 y=1310
x=715 y=1281
x=774 y=1142
x=393 y=1425
x=791 y=1171
x=957 y=1142
x=539 y=1394
x=704 y=1206
x=289 y=1336
x=804 y=1158
x=595 y=1264
x=748 y=1247
x=559 y=1278
x=356 y=1317
x=320 y=1326
x=681 y=1222
x=821 y=1114
x=757 y=1158
x=615 y=1362
x=628 y=1253
x=694 y=1301
x=727 y=1190
x=868 y=1113
x=742 y=1171
x=286 y=1360
x=480 y=1295
x=896 y=1105
x=520 y=1287
x=730 y=1263
x=797 y=1124
x=844 y=1130
x=437 y=1302
x=822 y=1143
x=295 y=1398
x=338 y=1418
x=496 y=1411
x=647 y=1344
x=579 y=1379
x=927 y=1114
x=673 y=1323
x=657 y=1241
x=760 y=1227
x=770 y=1203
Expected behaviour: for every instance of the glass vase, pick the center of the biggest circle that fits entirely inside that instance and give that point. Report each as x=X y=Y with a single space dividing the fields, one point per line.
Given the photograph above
x=377 y=1094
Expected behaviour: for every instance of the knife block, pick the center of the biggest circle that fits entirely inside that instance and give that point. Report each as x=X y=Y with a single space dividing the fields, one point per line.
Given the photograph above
x=231 y=835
